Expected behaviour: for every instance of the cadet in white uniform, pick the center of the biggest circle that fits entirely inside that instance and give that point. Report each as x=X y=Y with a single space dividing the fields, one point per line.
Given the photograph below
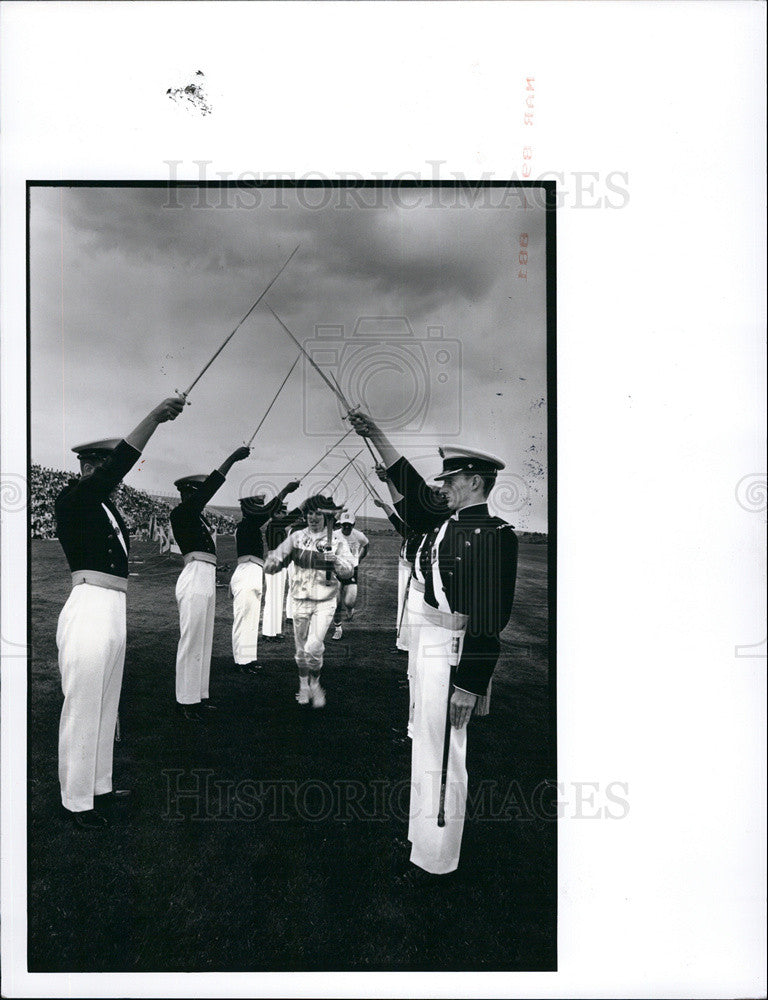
x=274 y=598
x=247 y=581
x=464 y=573
x=91 y=630
x=196 y=587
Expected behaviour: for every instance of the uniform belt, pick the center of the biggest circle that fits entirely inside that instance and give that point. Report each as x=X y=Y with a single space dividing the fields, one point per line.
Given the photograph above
x=97 y=579
x=205 y=557
x=247 y=559
x=453 y=620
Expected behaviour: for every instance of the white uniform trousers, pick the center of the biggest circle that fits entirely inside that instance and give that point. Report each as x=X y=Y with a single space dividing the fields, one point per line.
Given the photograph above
x=273 y=603
x=289 y=597
x=435 y=849
x=196 y=597
x=403 y=575
x=91 y=640
x=246 y=585
x=311 y=621
x=415 y=612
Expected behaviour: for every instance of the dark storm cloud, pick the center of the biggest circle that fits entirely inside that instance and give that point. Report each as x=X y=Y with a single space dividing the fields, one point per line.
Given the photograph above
x=132 y=292
x=393 y=256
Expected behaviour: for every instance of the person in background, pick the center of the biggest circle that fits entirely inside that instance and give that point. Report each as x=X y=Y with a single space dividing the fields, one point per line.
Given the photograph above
x=247 y=581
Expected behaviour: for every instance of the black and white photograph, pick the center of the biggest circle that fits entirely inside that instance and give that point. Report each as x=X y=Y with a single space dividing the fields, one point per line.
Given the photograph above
x=383 y=499
x=291 y=603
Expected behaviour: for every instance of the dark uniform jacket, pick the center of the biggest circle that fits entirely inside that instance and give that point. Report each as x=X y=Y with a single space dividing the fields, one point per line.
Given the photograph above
x=84 y=528
x=411 y=539
x=278 y=528
x=248 y=536
x=477 y=559
x=417 y=511
x=189 y=529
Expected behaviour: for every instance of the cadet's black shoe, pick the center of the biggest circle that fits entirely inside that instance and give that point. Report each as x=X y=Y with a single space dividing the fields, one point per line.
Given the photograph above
x=189 y=713
x=118 y=796
x=88 y=820
x=113 y=805
x=250 y=668
x=206 y=706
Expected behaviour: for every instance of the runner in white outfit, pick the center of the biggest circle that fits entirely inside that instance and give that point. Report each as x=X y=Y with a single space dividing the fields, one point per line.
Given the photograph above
x=321 y=558
x=358 y=546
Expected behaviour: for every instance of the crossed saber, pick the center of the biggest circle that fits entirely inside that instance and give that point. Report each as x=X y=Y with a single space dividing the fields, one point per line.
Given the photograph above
x=231 y=335
x=332 y=385
x=337 y=391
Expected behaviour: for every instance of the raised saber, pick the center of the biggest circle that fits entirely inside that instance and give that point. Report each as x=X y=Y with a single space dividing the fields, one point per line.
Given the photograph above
x=374 y=494
x=345 y=466
x=351 y=409
x=326 y=454
x=333 y=386
x=354 y=495
x=231 y=335
x=337 y=392
x=366 y=484
x=274 y=400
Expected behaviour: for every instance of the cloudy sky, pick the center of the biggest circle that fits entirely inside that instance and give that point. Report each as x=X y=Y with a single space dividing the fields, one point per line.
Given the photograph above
x=415 y=301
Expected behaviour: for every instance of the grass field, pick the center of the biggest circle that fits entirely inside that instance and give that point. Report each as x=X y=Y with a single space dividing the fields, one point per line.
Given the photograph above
x=267 y=868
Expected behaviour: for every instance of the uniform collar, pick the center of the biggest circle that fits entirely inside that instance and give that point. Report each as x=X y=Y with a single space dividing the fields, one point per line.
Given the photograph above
x=470 y=513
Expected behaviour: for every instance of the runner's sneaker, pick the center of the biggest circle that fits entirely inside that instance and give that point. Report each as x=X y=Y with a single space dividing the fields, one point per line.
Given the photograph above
x=302 y=696
x=337 y=633
x=317 y=694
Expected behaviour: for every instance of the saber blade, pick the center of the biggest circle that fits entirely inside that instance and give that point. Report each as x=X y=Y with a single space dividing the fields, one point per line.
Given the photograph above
x=352 y=409
x=274 y=400
x=345 y=466
x=231 y=335
x=313 y=467
x=340 y=394
x=446 y=750
x=366 y=484
x=311 y=360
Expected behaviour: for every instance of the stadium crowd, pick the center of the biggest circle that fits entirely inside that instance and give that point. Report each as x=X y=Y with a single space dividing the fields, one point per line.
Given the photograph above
x=140 y=511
